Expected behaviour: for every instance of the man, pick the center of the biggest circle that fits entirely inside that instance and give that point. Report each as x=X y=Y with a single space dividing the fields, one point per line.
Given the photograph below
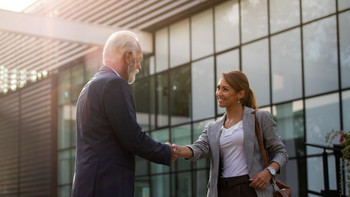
x=108 y=136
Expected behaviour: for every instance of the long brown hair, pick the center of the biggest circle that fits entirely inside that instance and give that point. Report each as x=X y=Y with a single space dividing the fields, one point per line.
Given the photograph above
x=239 y=81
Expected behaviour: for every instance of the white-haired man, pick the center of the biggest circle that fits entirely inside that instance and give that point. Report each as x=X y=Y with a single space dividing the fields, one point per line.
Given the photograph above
x=108 y=136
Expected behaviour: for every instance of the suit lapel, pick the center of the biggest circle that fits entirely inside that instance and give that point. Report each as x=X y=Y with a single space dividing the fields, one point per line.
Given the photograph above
x=249 y=135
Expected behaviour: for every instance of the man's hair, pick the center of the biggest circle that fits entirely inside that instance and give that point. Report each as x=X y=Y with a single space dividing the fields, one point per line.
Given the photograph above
x=120 y=42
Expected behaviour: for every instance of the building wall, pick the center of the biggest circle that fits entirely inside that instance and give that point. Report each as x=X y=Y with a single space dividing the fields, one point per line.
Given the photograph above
x=27 y=142
x=296 y=55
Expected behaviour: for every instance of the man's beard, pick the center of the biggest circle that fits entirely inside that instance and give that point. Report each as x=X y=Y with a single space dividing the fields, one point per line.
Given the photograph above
x=132 y=71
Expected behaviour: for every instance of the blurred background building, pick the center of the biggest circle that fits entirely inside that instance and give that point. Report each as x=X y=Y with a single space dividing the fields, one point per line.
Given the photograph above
x=296 y=54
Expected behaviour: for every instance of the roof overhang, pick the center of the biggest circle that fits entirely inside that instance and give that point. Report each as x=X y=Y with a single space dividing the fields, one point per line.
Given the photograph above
x=65 y=30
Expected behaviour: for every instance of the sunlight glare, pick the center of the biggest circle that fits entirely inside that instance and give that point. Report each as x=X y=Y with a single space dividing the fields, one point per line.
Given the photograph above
x=15 y=5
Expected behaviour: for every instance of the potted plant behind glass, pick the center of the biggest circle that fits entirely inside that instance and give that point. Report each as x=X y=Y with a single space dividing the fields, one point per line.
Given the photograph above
x=344 y=146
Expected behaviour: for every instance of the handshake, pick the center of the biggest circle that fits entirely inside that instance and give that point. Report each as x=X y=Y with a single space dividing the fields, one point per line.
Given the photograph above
x=179 y=151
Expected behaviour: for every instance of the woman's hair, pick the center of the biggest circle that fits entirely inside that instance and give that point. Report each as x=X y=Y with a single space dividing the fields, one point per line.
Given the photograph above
x=239 y=81
x=121 y=42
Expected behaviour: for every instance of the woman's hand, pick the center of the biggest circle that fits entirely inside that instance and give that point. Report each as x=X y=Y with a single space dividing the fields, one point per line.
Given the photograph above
x=182 y=151
x=260 y=180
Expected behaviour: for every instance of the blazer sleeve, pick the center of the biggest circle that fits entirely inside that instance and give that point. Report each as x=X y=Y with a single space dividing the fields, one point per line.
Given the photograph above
x=200 y=147
x=119 y=107
x=273 y=144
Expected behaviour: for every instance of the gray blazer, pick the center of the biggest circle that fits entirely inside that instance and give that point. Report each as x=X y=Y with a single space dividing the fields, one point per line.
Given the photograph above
x=208 y=144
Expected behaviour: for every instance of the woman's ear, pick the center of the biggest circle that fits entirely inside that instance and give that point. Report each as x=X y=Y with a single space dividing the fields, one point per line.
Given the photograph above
x=241 y=94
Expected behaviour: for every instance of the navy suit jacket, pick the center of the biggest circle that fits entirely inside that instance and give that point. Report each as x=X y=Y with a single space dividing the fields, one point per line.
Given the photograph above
x=108 y=137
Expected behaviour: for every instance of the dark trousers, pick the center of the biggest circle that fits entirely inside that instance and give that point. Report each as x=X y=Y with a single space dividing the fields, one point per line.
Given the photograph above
x=235 y=186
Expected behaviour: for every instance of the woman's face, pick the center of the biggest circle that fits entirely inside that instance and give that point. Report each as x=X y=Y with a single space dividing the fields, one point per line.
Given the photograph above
x=226 y=95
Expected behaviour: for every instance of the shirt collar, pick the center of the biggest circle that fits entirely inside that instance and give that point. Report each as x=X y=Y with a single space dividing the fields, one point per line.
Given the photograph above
x=113 y=70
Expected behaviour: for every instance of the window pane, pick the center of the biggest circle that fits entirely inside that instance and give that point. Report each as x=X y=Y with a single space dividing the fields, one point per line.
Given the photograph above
x=224 y=63
x=160 y=136
x=64 y=87
x=322 y=115
x=197 y=131
x=77 y=81
x=180 y=43
x=160 y=185
x=161 y=49
x=290 y=126
x=162 y=99
x=346 y=110
x=201 y=182
x=64 y=116
x=141 y=166
x=257 y=70
x=203 y=98
x=286 y=66
x=142 y=187
x=63 y=191
x=343 y=4
x=73 y=124
x=202 y=34
x=181 y=136
x=320 y=56
x=315 y=9
x=152 y=93
x=92 y=62
x=180 y=100
x=183 y=184
x=344 y=40
x=293 y=174
x=284 y=14
x=226 y=25
x=140 y=90
x=254 y=19
x=64 y=167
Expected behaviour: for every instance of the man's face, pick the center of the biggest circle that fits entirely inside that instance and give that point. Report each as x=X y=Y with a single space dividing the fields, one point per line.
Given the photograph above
x=134 y=67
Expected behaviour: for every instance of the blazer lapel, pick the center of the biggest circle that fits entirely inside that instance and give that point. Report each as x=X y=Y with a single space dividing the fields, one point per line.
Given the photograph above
x=249 y=135
x=215 y=137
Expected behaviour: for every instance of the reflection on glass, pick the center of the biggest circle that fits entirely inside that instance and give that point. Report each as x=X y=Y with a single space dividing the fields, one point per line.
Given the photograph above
x=203 y=91
x=180 y=88
x=64 y=87
x=63 y=191
x=343 y=4
x=160 y=185
x=160 y=136
x=179 y=43
x=184 y=184
x=64 y=167
x=283 y=14
x=64 y=117
x=224 y=63
x=346 y=110
x=254 y=19
x=202 y=34
x=162 y=99
x=322 y=115
x=201 y=178
x=314 y=166
x=255 y=64
x=226 y=25
x=161 y=48
x=290 y=126
x=140 y=90
x=316 y=9
x=181 y=136
x=344 y=41
x=320 y=56
x=142 y=187
x=286 y=66
x=198 y=129
x=141 y=166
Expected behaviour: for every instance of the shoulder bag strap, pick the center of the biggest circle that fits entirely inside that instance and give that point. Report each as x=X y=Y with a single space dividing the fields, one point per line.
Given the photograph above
x=261 y=143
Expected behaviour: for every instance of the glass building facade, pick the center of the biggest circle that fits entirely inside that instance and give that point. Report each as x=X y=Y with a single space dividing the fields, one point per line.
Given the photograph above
x=296 y=55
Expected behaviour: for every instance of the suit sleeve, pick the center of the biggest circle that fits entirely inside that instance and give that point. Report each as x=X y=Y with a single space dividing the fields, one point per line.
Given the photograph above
x=119 y=107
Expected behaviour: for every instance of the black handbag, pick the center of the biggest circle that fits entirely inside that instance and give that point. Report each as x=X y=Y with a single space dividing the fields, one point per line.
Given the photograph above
x=280 y=189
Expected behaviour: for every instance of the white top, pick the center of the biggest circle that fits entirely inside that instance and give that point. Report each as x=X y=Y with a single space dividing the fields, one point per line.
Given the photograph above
x=233 y=159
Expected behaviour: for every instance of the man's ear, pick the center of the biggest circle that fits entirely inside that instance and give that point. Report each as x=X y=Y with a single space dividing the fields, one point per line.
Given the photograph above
x=128 y=57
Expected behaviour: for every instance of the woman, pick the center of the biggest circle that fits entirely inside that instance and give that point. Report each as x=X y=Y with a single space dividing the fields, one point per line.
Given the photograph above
x=237 y=167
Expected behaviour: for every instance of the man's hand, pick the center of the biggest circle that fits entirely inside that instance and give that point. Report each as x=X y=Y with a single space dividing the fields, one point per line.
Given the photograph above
x=174 y=155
